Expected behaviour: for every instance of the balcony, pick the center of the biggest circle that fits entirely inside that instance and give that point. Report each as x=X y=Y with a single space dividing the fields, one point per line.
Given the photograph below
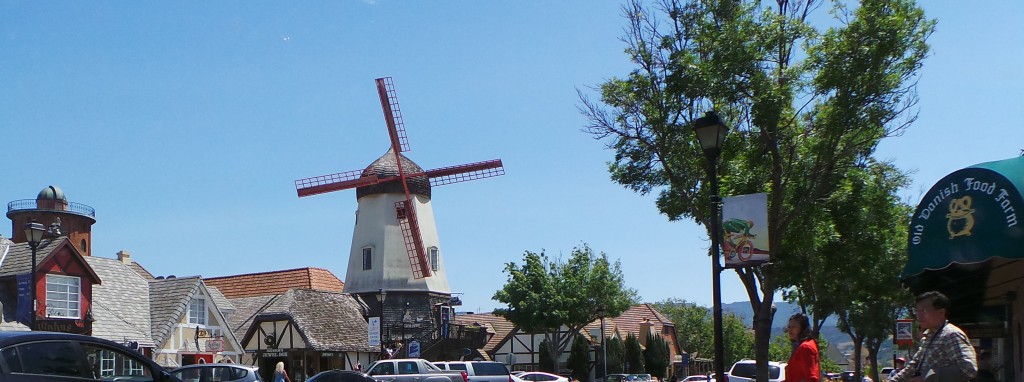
x=30 y=205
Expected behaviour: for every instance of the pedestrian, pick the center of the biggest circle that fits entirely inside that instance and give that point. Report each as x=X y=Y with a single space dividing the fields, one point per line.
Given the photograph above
x=898 y=365
x=946 y=354
x=359 y=366
x=803 y=361
x=280 y=375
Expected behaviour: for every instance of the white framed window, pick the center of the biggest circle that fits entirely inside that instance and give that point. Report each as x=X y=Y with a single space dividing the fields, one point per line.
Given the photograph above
x=63 y=296
x=367 y=258
x=433 y=258
x=197 y=311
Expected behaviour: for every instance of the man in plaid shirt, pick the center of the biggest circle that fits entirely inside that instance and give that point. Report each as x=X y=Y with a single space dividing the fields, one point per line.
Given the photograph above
x=945 y=354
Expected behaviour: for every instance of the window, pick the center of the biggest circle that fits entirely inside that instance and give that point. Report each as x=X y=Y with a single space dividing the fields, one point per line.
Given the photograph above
x=367 y=258
x=197 y=311
x=63 y=299
x=383 y=368
x=433 y=258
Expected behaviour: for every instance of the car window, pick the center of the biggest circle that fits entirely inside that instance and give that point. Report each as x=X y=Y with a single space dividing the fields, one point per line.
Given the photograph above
x=383 y=368
x=109 y=363
x=543 y=377
x=433 y=367
x=489 y=368
x=743 y=370
x=58 y=358
x=407 y=367
x=457 y=366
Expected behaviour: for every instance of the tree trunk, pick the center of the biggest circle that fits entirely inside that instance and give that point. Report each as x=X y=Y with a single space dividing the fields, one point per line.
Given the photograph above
x=858 y=374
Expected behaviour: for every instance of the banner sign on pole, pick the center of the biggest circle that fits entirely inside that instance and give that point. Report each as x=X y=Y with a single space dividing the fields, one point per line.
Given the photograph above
x=745 y=230
x=904 y=332
x=373 y=332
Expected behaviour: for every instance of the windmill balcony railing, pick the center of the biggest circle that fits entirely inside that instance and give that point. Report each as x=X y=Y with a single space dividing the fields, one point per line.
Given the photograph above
x=72 y=207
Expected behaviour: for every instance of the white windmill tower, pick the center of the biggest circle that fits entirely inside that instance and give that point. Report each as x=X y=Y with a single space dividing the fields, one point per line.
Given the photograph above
x=395 y=247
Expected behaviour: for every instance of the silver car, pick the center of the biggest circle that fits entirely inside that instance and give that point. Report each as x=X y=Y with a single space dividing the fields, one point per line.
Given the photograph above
x=217 y=372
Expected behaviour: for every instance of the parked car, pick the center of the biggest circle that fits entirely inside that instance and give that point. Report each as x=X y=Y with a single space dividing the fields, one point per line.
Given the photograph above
x=695 y=378
x=479 y=371
x=48 y=356
x=615 y=378
x=340 y=376
x=746 y=371
x=217 y=372
x=539 y=376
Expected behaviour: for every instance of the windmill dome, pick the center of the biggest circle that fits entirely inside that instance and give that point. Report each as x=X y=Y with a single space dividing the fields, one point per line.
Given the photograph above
x=386 y=166
x=52 y=193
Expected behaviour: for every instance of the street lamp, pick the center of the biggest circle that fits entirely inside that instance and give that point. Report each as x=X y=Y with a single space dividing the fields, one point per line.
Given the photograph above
x=381 y=296
x=711 y=132
x=34 y=233
x=604 y=345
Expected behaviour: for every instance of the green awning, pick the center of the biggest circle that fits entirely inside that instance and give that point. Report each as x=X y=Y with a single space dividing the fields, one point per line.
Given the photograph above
x=968 y=217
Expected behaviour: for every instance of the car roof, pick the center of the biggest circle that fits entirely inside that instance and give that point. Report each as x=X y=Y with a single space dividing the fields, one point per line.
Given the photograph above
x=12 y=337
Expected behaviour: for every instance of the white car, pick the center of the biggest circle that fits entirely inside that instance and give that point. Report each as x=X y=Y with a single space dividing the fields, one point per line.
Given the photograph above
x=746 y=371
x=539 y=376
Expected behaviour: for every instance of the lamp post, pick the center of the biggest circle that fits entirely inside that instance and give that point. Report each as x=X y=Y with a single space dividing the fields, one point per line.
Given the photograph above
x=711 y=132
x=381 y=296
x=604 y=345
x=34 y=233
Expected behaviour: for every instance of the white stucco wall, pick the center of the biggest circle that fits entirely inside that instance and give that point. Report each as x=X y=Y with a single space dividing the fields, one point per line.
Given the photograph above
x=377 y=228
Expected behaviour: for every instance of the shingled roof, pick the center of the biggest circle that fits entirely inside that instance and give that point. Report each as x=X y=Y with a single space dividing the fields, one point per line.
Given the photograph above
x=329 y=321
x=19 y=257
x=120 y=305
x=246 y=309
x=276 y=282
x=494 y=323
x=168 y=302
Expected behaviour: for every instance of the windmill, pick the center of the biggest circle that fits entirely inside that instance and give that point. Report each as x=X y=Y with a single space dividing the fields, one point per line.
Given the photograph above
x=406 y=186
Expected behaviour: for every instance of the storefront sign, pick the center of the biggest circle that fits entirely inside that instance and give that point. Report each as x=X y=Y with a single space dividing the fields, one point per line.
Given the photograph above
x=969 y=216
x=64 y=326
x=274 y=353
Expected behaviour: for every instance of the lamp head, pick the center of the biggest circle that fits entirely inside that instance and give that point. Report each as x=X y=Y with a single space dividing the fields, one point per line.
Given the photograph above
x=34 y=233
x=711 y=132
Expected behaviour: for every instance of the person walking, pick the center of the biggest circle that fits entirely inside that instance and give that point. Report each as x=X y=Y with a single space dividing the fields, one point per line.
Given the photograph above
x=946 y=354
x=280 y=375
x=803 y=361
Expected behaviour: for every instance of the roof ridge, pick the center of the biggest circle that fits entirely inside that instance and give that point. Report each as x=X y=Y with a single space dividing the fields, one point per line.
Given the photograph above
x=261 y=273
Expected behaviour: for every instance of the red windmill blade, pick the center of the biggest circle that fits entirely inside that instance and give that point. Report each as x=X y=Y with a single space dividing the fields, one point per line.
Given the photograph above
x=406 y=209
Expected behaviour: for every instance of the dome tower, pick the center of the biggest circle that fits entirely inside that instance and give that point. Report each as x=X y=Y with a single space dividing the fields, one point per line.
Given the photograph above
x=52 y=209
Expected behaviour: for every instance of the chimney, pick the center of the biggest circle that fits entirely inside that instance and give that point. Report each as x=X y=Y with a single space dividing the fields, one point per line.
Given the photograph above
x=124 y=257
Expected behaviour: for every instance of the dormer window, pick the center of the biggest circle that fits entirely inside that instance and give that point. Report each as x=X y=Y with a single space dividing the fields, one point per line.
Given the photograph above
x=197 y=311
x=63 y=297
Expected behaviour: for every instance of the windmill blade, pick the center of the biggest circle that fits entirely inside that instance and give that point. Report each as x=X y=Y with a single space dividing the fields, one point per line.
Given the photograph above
x=392 y=114
x=334 y=182
x=410 y=225
x=465 y=172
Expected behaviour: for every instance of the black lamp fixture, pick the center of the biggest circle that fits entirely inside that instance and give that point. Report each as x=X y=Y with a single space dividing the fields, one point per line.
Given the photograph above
x=711 y=132
x=381 y=296
x=34 y=234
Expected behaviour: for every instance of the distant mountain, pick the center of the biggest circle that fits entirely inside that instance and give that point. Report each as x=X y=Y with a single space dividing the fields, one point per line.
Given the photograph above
x=840 y=344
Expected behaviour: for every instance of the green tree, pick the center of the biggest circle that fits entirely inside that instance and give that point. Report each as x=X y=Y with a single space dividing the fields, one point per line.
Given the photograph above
x=616 y=356
x=871 y=228
x=544 y=360
x=579 y=358
x=634 y=356
x=695 y=330
x=558 y=299
x=656 y=356
x=810 y=103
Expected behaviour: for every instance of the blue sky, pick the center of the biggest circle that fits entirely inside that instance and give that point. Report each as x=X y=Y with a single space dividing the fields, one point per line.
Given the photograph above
x=184 y=124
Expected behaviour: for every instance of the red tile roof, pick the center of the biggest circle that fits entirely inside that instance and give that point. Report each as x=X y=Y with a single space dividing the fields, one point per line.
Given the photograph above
x=276 y=282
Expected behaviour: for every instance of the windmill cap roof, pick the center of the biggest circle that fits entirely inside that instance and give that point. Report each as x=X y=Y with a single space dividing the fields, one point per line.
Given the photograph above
x=387 y=166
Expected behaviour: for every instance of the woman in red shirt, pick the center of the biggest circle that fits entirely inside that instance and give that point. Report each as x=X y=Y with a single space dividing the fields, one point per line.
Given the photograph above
x=803 y=362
